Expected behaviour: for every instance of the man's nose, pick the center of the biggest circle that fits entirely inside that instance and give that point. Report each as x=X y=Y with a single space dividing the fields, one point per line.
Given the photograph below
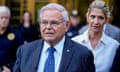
x=49 y=25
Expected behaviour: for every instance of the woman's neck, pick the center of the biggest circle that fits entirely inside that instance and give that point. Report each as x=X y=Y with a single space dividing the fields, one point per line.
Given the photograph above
x=26 y=24
x=94 y=38
x=95 y=35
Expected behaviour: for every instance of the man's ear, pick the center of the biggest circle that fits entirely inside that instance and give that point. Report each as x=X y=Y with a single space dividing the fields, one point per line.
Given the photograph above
x=67 y=25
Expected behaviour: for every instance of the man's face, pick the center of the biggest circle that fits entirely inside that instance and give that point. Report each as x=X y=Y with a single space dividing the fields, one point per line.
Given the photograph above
x=4 y=19
x=52 y=26
x=96 y=20
x=75 y=20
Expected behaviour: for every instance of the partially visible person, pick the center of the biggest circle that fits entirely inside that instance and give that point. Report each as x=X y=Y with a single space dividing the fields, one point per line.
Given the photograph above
x=27 y=29
x=55 y=52
x=116 y=63
x=10 y=39
x=76 y=24
x=109 y=29
x=103 y=47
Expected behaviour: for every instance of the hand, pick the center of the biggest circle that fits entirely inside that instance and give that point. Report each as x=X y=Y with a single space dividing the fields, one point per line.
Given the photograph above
x=6 y=69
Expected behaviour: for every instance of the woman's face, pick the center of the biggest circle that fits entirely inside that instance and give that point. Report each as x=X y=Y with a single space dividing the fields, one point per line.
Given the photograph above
x=26 y=16
x=96 y=20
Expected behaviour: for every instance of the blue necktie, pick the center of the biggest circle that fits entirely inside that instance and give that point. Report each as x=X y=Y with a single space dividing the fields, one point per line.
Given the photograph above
x=50 y=63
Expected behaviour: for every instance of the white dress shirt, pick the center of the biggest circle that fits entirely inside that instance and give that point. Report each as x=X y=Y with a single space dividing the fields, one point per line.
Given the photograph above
x=103 y=53
x=57 y=54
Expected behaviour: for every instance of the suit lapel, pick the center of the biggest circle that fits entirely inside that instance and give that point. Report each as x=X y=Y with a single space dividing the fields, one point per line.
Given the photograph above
x=66 y=56
x=36 y=55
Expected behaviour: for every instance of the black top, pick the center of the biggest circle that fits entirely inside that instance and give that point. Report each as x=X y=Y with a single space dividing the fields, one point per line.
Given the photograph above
x=74 y=31
x=30 y=33
x=9 y=43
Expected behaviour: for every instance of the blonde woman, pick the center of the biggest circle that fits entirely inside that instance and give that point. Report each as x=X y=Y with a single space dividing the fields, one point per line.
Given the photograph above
x=102 y=46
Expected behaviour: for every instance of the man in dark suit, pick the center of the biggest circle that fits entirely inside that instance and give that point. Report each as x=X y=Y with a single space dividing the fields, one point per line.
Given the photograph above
x=54 y=52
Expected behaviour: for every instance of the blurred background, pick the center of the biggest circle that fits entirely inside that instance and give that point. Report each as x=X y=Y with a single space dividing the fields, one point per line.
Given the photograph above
x=18 y=6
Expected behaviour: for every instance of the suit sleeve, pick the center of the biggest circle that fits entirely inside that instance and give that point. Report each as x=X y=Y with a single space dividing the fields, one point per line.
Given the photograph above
x=18 y=61
x=116 y=62
x=90 y=62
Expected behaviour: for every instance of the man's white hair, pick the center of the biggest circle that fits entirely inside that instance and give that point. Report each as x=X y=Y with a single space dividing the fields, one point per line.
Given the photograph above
x=5 y=9
x=57 y=7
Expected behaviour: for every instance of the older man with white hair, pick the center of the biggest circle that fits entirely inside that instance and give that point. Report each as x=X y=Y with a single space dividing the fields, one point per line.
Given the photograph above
x=10 y=39
x=54 y=52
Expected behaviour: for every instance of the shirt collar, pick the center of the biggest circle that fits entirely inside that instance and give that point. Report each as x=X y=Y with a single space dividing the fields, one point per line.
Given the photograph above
x=86 y=38
x=59 y=46
x=104 y=27
x=104 y=38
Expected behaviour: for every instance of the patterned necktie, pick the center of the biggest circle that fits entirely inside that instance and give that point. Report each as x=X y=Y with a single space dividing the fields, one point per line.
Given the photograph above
x=50 y=63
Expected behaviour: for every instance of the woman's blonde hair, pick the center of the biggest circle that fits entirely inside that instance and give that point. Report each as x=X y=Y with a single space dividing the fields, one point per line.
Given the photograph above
x=100 y=5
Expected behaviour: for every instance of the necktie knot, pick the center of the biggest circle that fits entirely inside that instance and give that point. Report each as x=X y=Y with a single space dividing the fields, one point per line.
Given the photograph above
x=51 y=50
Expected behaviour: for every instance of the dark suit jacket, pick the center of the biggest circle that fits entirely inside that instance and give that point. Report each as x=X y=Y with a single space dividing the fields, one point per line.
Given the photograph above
x=116 y=62
x=78 y=59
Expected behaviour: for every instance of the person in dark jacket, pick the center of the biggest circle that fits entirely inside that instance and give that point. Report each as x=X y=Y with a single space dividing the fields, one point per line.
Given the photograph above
x=10 y=39
x=76 y=24
x=27 y=29
x=55 y=52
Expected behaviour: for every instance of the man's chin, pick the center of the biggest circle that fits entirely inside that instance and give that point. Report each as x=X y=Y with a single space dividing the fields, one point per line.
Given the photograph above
x=49 y=39
x=5 y=26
